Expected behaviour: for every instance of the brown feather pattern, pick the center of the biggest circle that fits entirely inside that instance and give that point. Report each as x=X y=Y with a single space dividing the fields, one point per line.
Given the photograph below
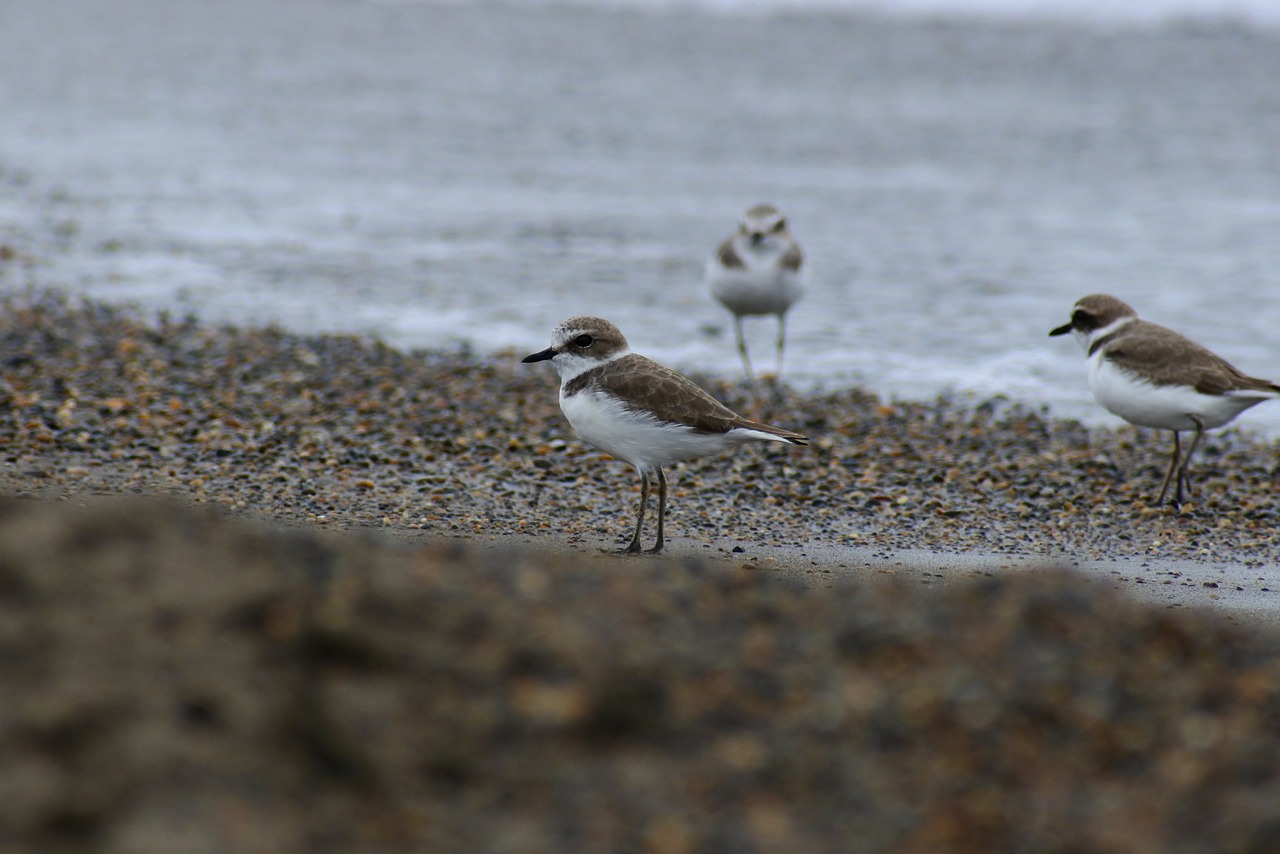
x=729 y=257
x=669 y=396
x=792 y=259
x=1169 y=358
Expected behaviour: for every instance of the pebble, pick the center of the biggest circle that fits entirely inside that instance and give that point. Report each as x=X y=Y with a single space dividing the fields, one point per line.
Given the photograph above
x=290 y=427
x=176 y=678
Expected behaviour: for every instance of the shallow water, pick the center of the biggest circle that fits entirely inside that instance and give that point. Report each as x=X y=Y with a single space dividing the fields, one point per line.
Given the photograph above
x=437 y=174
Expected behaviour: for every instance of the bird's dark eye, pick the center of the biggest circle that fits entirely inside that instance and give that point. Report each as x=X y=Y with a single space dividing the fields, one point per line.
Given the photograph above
x=780 y=225
x=583 y=341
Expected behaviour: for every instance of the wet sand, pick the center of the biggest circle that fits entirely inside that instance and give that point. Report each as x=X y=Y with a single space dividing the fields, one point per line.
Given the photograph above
x=274 y=592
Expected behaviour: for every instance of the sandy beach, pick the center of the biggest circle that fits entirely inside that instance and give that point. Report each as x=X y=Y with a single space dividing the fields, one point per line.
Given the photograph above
x=275 y=592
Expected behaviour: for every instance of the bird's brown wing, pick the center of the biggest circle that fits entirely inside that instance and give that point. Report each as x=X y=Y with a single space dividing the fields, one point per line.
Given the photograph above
x=729 y=256
x=793 y=259
x=1172 y=359
x=672 y=397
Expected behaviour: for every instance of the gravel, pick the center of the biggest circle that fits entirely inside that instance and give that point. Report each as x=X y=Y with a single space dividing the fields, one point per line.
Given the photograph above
x=357 y=604
x=179 y=681
x=347 y=433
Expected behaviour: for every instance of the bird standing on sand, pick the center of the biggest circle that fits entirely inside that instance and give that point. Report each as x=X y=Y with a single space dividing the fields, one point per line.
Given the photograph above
x=639 y=411
x=758 y=271
x=1154 y=377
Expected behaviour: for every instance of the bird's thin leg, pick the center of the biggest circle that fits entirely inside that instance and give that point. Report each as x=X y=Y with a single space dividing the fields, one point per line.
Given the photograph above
x=1173 y=467
x=634 y=547
x=742 y=347
x=1183 y=478
x=782 y=341
x=662 y=510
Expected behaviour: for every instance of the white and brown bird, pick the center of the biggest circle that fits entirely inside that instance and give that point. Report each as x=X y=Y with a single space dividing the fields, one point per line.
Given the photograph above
x=1154 y=377
x=641 y=412
x=760 y=270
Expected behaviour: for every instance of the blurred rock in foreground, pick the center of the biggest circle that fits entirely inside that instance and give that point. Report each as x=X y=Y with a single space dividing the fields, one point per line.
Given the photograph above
x=175 y=681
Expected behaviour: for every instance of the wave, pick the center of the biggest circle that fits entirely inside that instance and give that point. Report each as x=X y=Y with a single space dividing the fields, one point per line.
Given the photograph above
x=1131 y=12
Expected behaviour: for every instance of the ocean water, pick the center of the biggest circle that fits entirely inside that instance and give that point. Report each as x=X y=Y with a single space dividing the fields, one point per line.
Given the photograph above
x=1105 y=12
x=441 y=174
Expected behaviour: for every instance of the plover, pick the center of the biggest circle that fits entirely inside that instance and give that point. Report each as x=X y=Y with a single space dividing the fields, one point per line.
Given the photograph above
x=639 y=411
x=758 y=271
x=1154 y=377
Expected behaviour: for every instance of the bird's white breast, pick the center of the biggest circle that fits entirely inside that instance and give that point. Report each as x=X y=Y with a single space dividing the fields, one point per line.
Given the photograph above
x=763 y=286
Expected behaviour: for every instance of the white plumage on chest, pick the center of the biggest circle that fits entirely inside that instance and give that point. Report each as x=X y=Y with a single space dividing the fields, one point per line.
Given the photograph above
x=762 y=286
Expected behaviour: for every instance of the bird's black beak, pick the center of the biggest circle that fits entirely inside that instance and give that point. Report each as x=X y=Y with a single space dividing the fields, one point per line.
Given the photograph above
x=1061 y=330
x=756 y=238
x=548 y=353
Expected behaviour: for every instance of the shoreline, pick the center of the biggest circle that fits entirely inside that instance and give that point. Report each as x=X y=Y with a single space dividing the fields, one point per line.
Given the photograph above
x=235 y=209
x=344 y=433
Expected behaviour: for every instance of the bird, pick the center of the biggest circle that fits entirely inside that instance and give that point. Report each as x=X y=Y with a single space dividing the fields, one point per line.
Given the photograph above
x=759 y=270
x=641 y=412
x=1152 y=376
